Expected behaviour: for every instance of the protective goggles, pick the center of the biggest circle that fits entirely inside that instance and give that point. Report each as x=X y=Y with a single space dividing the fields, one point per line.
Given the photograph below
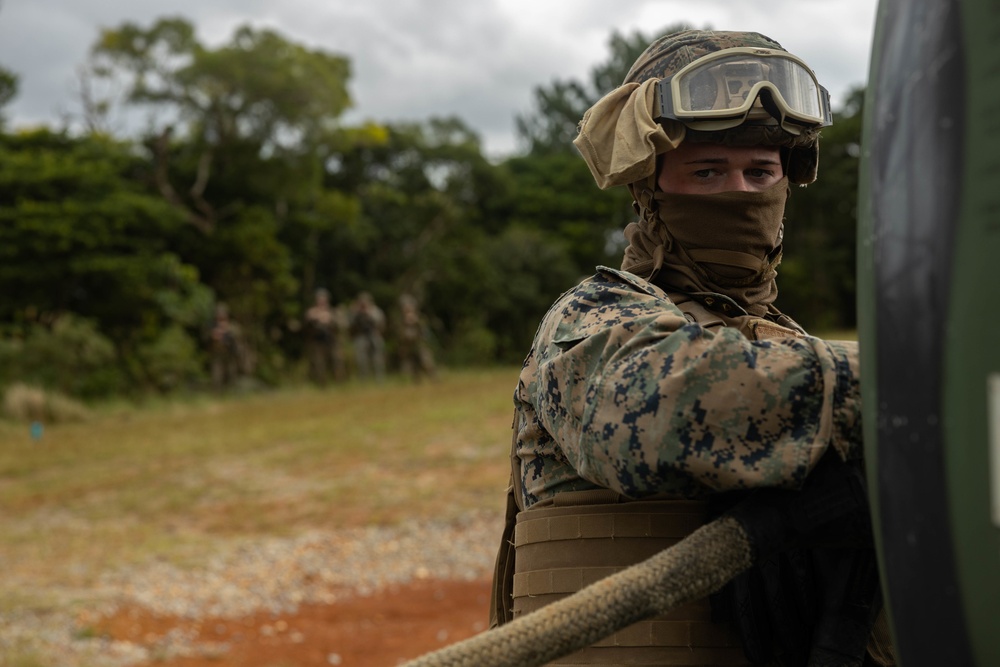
x=723 y=89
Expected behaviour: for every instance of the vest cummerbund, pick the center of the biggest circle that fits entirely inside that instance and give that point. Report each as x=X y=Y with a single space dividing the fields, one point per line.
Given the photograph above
x=562 y=547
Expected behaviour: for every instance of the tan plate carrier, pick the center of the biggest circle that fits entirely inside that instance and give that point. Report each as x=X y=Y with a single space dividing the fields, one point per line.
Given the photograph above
x=582 y=537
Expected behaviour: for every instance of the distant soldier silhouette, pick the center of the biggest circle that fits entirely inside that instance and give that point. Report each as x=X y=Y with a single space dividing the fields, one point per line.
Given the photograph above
x=324 y=330
x=415 y=357
x=367 y=329
x=226 y=349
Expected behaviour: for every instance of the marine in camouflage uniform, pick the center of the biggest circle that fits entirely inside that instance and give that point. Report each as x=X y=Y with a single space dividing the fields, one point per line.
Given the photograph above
x=415 y=357
x=367 y=325
x=226 y=348
x=325 y=327
x=671 y=381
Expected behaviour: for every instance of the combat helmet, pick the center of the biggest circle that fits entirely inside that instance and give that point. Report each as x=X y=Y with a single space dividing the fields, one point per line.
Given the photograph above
x=738 y=88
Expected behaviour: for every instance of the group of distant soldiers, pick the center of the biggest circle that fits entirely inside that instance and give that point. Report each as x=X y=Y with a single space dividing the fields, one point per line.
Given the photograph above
x=329 y=333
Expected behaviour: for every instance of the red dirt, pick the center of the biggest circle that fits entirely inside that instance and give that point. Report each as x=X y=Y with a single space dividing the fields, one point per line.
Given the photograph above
x=385 y=629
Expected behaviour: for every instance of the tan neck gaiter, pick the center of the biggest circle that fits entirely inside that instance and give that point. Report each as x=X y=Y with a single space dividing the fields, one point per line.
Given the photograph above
x=728 y=243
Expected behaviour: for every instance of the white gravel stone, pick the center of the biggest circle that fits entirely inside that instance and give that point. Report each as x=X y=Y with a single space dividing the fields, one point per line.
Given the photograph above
x=275 y=575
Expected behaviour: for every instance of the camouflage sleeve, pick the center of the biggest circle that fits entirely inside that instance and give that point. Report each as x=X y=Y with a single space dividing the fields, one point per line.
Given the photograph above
x=642 y=401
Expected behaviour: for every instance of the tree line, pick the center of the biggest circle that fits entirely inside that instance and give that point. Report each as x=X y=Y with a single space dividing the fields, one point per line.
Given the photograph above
x=246 y=188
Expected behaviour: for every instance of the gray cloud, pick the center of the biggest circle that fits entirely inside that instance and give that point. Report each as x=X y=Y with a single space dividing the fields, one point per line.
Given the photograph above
x=413 y=59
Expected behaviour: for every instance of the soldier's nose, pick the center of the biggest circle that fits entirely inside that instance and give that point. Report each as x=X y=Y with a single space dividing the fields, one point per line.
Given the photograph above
x=737 y=183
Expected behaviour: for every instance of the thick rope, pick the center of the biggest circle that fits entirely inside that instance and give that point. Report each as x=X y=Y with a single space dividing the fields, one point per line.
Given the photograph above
x=695 y=567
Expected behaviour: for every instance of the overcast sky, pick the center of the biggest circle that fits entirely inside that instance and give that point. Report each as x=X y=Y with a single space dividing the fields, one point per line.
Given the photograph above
x=413 y=59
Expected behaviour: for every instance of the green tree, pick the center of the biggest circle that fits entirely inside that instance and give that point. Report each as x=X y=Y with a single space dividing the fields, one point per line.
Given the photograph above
x=8 y=90
x=556 y=195
x=817 y=275
x=255 y=98
x=440 y=222
x=253 y=126
x=427 y=198
x=555 y=190
x=79 y=235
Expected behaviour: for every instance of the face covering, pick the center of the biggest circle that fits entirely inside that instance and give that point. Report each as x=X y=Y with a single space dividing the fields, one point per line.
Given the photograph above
x=728 y=243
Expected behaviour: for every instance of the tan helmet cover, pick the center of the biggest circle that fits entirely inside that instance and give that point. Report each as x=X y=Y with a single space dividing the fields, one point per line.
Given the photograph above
x=620 y=141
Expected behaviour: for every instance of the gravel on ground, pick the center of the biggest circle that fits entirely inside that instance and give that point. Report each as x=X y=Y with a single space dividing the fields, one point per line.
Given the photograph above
x=272 y=575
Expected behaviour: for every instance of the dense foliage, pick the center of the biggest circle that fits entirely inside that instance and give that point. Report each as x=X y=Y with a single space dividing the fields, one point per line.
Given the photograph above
x=250 y=191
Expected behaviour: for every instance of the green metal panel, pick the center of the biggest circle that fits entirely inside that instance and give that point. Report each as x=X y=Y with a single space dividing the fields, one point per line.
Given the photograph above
x=929 y=324
x=972 y=361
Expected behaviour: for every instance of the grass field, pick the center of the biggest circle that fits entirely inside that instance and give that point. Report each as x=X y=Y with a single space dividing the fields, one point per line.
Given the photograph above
x=173 y=479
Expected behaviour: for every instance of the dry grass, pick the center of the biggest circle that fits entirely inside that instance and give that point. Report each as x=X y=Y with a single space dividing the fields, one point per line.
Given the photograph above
x=173 y=480
x=32 y=404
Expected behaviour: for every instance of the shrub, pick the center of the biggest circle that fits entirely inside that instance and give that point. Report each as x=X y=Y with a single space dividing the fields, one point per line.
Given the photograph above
x=472 y=344
x=171 y=360
x=72 y=357
x=23 y=402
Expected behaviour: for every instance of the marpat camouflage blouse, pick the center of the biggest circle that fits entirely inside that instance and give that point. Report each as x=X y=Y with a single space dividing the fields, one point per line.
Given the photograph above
x=620 y=391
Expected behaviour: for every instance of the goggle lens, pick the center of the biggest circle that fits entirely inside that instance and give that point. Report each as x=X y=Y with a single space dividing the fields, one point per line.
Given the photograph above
x=726 y=85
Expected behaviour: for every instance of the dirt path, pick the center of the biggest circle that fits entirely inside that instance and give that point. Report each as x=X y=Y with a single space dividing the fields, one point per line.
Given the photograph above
x=395 y=625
